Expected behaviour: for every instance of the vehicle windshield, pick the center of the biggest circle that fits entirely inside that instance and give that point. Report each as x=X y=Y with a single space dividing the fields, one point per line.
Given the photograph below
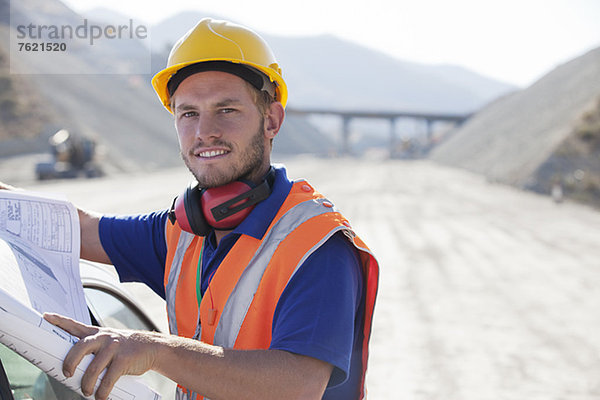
x=29 y=382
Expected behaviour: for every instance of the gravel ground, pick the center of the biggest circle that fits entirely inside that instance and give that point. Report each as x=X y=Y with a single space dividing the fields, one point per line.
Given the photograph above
x=486 y=292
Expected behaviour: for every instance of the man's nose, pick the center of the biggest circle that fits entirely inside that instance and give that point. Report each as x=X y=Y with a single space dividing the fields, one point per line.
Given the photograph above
x=206 y=127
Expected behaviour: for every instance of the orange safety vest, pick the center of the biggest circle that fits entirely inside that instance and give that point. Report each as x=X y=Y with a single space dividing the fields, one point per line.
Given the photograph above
x=247 y=285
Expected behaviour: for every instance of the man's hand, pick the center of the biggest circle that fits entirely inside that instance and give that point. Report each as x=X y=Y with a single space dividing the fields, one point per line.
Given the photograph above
x=210 y=370
x=120 y=352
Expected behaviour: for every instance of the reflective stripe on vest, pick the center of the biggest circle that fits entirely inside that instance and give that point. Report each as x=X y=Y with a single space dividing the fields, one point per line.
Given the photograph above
x=185 y=239
x=182 y=394
x=251 y=278
x=242 y=295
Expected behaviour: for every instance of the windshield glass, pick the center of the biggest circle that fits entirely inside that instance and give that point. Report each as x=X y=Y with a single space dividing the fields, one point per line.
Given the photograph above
x=28 y=382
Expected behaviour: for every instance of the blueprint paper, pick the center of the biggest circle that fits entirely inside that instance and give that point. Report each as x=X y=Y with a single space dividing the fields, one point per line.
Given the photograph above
x=39 y=272
x=43 y=236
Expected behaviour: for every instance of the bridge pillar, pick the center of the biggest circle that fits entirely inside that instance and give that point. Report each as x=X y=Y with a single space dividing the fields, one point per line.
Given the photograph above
x=393 y=143
x=346 y=135
x=429 y=123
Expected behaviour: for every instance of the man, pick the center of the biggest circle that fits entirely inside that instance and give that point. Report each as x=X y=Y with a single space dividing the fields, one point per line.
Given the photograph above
x=269 y=292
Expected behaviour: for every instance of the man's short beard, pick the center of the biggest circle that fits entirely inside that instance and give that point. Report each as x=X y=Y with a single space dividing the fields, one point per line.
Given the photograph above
x=250 y=165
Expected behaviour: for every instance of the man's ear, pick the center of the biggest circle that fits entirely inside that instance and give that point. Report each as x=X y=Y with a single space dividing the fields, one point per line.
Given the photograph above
x=274 y=119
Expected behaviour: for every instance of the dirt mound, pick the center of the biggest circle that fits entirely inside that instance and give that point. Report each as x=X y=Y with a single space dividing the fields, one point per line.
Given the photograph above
x=509 y=140
x=573 y=170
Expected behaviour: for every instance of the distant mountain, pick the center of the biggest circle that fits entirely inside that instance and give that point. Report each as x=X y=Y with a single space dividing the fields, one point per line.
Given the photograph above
x=529 y=138
x=166 y=32
x=325 y=71
x=109 y=16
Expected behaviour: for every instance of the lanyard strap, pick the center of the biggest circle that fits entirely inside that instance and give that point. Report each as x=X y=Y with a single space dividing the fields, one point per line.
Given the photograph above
x=199 y=276
x=212 y=312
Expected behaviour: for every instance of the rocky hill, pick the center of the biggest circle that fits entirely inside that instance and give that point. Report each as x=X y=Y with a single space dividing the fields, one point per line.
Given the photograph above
x=119 y=111
x=116 y=110
x=574 y=167
x=538 y=136
x=22 y=113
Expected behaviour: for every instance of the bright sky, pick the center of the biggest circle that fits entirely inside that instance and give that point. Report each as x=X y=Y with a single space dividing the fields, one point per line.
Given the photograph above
x=516 y=41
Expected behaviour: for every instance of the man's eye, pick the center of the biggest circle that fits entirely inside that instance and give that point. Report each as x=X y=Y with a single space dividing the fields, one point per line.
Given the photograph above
x=189 y=114
x=227 y=110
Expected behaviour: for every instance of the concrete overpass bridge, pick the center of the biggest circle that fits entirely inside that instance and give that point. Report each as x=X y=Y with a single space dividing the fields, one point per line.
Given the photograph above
x=348 y=116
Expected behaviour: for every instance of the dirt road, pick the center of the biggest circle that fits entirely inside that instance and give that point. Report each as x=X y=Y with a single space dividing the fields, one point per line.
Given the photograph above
x=486 y=292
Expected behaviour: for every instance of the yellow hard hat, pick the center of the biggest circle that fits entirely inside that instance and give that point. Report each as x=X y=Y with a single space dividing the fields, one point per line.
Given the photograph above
x=220 y=41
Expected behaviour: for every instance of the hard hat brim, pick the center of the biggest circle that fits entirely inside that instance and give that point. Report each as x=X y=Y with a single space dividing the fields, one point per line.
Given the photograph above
x=160 y=80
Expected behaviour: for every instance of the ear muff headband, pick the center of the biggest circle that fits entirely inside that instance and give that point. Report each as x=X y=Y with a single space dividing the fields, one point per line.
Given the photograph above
x=225 y=207
x=238 y=203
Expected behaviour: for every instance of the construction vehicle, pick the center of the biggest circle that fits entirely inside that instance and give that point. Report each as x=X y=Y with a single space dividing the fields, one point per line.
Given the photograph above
x=73 y=156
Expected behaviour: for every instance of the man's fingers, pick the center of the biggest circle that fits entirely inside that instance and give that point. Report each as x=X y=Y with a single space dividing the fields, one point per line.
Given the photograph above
x=101 y=361
x=70 y=325
x=119 y=352
x=113 y=373
x=80 y=349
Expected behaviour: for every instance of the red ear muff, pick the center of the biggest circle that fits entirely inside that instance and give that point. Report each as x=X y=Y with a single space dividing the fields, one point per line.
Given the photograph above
x=224 y=207
x=219 y=203
x=186 y=211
